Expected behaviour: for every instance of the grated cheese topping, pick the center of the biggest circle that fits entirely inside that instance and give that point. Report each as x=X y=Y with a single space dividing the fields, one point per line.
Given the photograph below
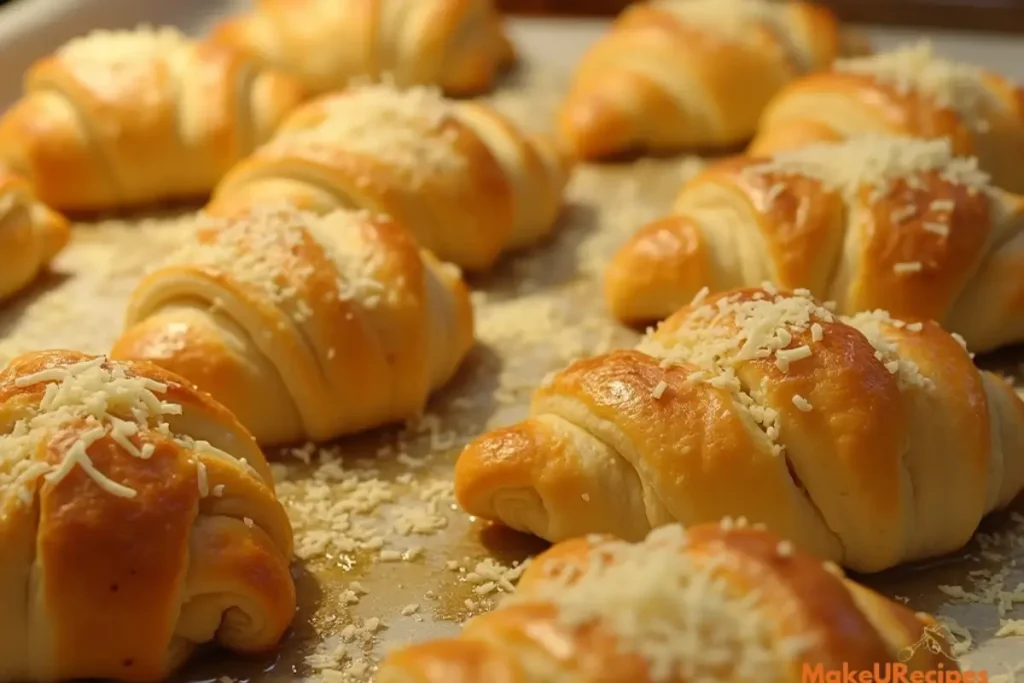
x=82 y=403
x=720 y=335
x=262 y=248
x=409 y=130
x=111 y=61
x=675 y=610
x=875 y=161
x=916 y=69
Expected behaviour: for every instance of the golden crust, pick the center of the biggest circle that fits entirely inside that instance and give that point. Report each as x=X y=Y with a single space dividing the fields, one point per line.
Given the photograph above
x=116 y=574
x=308 y=348
x=800 y=597
x=459 y=45
x=733 y=228
x=31 y=234
x=622 y=443
x=656 y=83
x=495 y=189
x=834 y=105
x=91 y=134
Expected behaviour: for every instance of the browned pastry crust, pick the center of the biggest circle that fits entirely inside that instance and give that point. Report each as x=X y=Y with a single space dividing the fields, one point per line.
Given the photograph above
x=458 y=45
x=458 y=175
x=123 y=118
x=137 y=520
x=304 y=326
x=872 y=222
x=31 y=234
x=711 y=603
x=911 y=92
x=844 y=434
x=674 y=74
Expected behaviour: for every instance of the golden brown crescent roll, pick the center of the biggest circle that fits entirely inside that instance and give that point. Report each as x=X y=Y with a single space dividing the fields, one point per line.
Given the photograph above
x=911 y=92
x=846 y=435
x=459 y=45
x=30 y=234
x=138 y=521
x=461 y=177
x=872 y=222
x=706 y=604
x=117 y=119
x=675 y=74
x=305 y=327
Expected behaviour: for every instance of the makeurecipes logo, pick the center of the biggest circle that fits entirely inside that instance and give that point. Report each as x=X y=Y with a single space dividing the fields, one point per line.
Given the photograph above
x=933 y=639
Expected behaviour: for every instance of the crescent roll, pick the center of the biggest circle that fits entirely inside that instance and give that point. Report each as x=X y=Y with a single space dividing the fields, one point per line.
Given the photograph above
x=461 y=177
x=675 y=74
x=138 y=521
x=31 y=235
x=305 y=327
x=706 y=604
x=909 y=91
x=459 y=45
x=872 y=222
x=845 y=435
x=117 y=119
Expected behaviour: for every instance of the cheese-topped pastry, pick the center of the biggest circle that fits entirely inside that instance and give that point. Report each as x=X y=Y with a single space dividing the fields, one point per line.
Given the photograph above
x=713 y=603
x=117 y=119
x=674 y=74
x=305 y=326
x=871 y=222
x=909 y=91
x=138 y=521
x=844 y=434
x=458 y=45
x=462 y=178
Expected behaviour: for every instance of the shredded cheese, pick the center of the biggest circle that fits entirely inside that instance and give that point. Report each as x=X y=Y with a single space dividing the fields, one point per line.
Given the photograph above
x=81 y=404
x=718 y=336
x=410 y=130
x=677 y=611
x=265 y=249
x=112 y=63
x=916 y=69
x=875 y=162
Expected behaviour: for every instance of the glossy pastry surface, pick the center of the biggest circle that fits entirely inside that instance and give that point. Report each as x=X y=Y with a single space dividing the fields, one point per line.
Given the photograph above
x=462 y=178
x=674 y=74
x=910 y=91
x=872 y=222
x=844 y=434
x=304 y=326
x=119 y=119
x=707 y=604
x=31 y=235
x=138 y=521
x=458 y=45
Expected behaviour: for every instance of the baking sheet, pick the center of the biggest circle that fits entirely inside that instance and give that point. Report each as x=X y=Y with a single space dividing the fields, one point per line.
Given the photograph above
x=384 y=556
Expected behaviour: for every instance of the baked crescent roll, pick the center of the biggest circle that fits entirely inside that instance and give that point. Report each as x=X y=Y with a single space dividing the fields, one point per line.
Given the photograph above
x=138 y=521
x=461 y=177
x=30 y=235
x=844 y=434
x=707 y=604
x=305 y=327
x=117 y=119
x=909 y=91
x=675 y=74
x=873 y=222
x=459 y=45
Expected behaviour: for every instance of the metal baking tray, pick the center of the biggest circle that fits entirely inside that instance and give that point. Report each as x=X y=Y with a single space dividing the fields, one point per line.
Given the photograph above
x=377 y=509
